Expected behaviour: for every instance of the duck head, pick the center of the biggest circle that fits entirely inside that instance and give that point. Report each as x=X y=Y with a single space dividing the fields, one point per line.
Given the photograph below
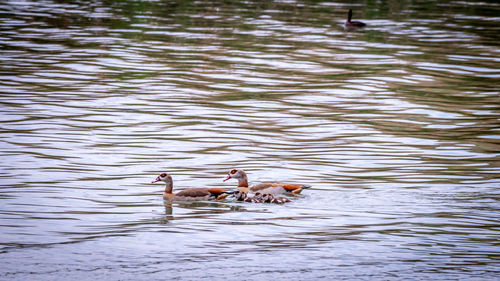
x=167 y=179
x=235 y=174
x=267 y=198
x=239 y=175
x=164 y=177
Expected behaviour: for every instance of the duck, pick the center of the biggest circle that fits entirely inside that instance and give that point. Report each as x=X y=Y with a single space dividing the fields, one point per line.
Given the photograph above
x=243 y=196
x=190 y=194
x=265 y=187
x=260 y=198
x=350 y=23
x=269 y=198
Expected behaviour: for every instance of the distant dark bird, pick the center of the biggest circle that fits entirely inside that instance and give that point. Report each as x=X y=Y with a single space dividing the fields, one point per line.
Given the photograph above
x=350 y=23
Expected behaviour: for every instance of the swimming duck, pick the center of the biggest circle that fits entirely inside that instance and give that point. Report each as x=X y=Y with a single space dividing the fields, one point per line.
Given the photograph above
x=190 y=194
x=265 y=187
x=243 y=196
x=350 y=23
x=269 y=198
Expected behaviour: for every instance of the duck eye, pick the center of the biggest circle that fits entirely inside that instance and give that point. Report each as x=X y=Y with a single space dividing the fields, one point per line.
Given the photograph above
x=233 y=171
x=163 y=175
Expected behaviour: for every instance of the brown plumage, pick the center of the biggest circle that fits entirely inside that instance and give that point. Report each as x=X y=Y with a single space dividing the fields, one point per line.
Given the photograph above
x=190 y=194
x=269 y=198
x=243 y=196
x=265 y=187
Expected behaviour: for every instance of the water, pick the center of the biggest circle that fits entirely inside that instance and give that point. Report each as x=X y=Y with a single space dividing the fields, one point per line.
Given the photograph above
x=396 y=127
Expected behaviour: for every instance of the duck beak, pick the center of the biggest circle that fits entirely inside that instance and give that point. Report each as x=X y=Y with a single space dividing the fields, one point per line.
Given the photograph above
x=156 y=180
x=228 y=177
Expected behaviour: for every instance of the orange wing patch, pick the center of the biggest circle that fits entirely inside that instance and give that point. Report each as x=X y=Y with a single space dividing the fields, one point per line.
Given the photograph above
x=287 y=187
x=291 y=187
x=216 y=191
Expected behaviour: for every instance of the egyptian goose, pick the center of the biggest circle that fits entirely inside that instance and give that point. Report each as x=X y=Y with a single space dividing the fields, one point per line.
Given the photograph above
x=350 y=23
x=190 y=194
x=265 y=187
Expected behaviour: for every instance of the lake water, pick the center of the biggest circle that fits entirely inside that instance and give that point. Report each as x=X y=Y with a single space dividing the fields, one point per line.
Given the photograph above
x=396 y=127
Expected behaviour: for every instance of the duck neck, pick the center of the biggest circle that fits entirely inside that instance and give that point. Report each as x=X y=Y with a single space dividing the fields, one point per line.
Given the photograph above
x=169 y=185
x=349 y=16
x=243 y=181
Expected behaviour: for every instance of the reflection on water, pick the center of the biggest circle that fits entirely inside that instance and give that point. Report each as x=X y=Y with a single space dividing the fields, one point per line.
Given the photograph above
x=395 y=126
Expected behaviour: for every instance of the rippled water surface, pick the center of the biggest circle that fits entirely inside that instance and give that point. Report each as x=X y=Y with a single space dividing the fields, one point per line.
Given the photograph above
x=396 y=127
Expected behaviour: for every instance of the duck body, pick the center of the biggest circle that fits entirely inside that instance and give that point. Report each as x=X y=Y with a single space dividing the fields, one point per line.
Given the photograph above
x=278 y=188
x=195 y=194
x=350 y=23
x=189 y=194
x=265 y=187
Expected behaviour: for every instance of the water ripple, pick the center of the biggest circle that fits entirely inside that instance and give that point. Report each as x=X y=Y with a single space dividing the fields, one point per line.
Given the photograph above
x=395 y=127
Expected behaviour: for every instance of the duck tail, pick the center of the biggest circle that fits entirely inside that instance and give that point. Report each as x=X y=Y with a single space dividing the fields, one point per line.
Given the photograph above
x=299 y=190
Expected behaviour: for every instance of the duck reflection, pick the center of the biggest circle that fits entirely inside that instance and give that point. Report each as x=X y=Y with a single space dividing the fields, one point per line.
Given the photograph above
x=198 y=209
x=168 y=213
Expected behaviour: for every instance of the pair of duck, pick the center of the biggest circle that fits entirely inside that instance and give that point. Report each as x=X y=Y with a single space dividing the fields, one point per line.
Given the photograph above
x=264 y=192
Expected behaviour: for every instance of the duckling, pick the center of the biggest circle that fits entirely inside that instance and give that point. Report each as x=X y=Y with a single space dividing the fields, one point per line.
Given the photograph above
x=259 y=196
x=243 y=196
x=281 y=200
x=269 y=198
x=240 y=196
